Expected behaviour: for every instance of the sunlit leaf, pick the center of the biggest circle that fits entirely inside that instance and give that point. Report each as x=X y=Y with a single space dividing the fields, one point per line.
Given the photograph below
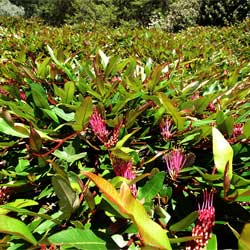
x=170 y=109
x=151 y=233
x=222 y=152
x=18 y=203
x=244 y=240
x=77 y=238
x=83 y=113
x=152 y=187
x=9 y=225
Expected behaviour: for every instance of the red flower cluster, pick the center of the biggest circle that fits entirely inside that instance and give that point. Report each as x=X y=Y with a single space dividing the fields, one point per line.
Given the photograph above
x=205 y=223
x=175 y=161
x=99 y=127
x=124 y=168
x=167 y=129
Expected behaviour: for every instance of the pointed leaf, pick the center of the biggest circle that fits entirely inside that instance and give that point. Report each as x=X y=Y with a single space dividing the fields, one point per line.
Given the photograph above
x=151 y=232
x=68 y=199
x=83 y=113
x=185 y=222
x=170 y=109
x=152 y=187
x=244 y=240
x=35 y=140
x=69 y=91
x=78 y=239
x=104 y=59
x=15 y=227
x=39 y=96
x=18 y=203
x=13 y=131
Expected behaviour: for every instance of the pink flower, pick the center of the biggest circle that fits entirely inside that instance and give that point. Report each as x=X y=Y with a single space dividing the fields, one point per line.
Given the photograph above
x=4 y=194
x=125 y=169
x=204 y=224
x=167 y=129
x=98 y=126
x=238 y=129
x=175 y=161
x=23 y=95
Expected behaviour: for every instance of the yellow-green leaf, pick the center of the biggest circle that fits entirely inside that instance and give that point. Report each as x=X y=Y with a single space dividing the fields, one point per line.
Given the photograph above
x=151 y=233
x=222 y=152
x=15 y=227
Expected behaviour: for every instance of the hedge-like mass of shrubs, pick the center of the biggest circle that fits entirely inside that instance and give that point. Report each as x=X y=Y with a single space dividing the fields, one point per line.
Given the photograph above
x=124 y=139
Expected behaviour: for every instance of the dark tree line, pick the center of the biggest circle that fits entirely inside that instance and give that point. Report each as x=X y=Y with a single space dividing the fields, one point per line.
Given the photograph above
x=169 y=14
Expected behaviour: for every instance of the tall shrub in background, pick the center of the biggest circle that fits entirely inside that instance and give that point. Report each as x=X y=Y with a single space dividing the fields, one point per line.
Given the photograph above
x=181 y=14
x=30 y=6
x=223 y=12
x=54 y=11
x=9 y=9
x=102 y=12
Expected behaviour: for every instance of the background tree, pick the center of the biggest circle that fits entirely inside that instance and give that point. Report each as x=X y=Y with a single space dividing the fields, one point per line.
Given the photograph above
x=139 y=10
x=9 y=9
x=30 y=6
x=223 y=12
x=94 y=11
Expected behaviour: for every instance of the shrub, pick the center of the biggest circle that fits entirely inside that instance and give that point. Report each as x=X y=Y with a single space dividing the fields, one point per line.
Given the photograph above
x=181 y=15
x=9 y=9
x=223 y=12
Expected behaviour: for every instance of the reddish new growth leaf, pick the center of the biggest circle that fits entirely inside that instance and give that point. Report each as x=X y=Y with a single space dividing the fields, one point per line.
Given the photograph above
x=98 y=126
x=124 y=168
x=205 y=222
x=175 y=161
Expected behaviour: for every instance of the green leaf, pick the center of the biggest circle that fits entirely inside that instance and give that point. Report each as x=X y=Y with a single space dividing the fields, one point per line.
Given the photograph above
x=13 y=131
x=170 y=109
x=246 y=129
x=43 y=68
x=18 y=203
x=68 y=199
x=39 y=96
x=222 y=152
x=69 y=91
x=185 y=222
x=78 y=239
x=112 y=65
x=121 y=142
x=63 y=155
x=212 y=243
x=68 y=117
x=244 y=240
x=51 y=114
x=155 y=77
x=60 y=65
x=209 y=177
x=152 y=187
x=83 y=114
x=15 y=227
x=151 y=233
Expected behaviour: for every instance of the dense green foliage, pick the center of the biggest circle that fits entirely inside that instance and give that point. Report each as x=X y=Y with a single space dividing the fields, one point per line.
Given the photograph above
x=82 y=99
x=171 y=15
